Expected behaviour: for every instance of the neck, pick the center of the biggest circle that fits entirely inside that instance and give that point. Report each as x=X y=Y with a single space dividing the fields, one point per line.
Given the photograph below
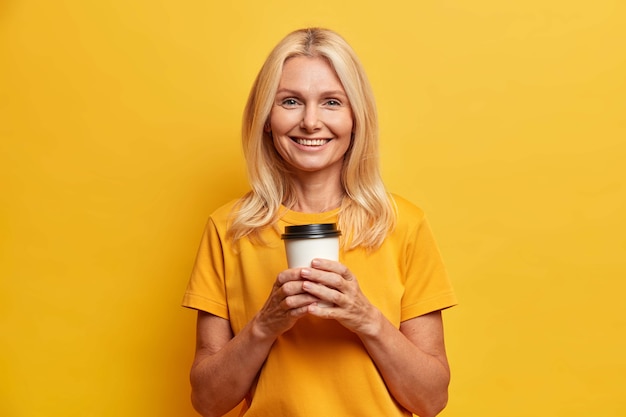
x=317 y=198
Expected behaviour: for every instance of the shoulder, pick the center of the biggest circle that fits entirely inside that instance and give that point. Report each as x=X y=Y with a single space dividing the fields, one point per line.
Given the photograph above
x=225 y=210
x=221 y=216
x=406 y=211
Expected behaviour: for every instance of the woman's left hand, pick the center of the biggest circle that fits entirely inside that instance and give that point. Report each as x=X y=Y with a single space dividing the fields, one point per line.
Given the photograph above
x=412 y=359
x=333 y=282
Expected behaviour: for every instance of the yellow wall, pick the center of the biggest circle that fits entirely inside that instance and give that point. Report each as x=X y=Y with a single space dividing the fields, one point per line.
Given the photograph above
x=119 y=121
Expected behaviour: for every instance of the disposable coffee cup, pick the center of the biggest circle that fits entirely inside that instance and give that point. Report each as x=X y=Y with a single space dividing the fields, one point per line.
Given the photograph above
x=305 y=242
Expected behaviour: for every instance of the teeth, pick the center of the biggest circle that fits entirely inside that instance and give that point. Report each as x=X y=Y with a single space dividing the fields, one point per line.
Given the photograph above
x=311 y=142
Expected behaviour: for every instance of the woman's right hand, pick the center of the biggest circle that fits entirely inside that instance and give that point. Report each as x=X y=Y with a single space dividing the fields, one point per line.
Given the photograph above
x=286 y=304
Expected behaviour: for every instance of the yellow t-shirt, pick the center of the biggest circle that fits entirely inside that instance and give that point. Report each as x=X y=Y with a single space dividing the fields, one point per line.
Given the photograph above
x=319 y=368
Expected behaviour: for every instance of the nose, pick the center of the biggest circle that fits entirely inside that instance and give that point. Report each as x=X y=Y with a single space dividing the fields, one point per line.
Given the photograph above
x=311 y=119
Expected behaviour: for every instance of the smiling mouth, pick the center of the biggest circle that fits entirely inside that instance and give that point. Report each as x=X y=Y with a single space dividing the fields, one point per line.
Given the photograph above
x=310 y=142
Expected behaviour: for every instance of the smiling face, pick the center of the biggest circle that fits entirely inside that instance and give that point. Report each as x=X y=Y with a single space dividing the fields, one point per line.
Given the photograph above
x=311 y=119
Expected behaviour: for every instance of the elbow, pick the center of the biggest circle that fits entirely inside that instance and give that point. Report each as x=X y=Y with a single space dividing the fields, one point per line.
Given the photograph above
x=211 y=398
x=433 y=406
x=436 y=399
x=201 y=400
x=437 y=406
x=200 y=405
x=203 y=407
x=207 y=402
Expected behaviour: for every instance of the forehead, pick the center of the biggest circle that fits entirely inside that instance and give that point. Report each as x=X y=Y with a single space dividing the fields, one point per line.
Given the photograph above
x=308 y=72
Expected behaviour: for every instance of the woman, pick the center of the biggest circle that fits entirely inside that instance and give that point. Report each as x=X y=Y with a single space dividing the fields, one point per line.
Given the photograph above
x=310 y=142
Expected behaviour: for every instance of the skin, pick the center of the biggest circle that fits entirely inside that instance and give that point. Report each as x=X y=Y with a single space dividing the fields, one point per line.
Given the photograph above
x=311 y=103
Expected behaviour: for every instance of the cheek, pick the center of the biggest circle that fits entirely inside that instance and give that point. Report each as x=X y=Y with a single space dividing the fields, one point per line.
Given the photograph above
x=341 y=120
x=343 y=126
x=282 y=121
x=280 y=148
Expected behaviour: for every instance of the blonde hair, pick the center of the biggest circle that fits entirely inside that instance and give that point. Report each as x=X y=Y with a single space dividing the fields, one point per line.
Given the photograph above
x=367 y=213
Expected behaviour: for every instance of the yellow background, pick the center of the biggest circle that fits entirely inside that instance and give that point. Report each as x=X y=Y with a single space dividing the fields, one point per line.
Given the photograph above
x=119 y=127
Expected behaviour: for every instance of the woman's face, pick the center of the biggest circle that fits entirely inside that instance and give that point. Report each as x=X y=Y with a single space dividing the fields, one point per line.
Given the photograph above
x=311 y=120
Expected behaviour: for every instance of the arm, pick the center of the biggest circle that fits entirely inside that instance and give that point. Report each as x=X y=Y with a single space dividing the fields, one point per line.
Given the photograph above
x=411 y=360
x=226 y=365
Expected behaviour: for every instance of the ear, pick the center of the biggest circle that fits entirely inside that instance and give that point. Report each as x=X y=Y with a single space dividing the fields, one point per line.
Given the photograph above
x=267 y=127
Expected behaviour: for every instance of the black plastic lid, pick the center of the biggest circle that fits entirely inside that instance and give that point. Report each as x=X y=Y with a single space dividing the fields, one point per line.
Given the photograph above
x=311 y=231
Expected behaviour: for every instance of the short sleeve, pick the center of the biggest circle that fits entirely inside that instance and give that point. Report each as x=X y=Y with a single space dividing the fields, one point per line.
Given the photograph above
x=206 y=288
x=427 y=287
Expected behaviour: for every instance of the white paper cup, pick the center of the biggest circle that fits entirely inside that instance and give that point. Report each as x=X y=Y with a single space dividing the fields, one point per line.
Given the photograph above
x=305 y=242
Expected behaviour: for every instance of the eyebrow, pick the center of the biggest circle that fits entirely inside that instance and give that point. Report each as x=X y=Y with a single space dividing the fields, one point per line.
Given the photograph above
x=324 y=94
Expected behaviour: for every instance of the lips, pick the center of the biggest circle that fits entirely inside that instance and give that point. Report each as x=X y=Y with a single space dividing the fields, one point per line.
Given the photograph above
x=310 y=142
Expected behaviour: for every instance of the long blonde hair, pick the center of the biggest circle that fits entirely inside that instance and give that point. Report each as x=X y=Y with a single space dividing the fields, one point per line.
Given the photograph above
x=367 y=213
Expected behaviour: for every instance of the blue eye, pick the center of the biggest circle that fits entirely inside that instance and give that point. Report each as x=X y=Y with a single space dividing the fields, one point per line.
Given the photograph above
x=289 y=102
x=333 y=103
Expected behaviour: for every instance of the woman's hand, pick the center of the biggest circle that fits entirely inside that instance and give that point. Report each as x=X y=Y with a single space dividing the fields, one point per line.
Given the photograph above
x=333 y=282
x=412 y=359
x=286 y=303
